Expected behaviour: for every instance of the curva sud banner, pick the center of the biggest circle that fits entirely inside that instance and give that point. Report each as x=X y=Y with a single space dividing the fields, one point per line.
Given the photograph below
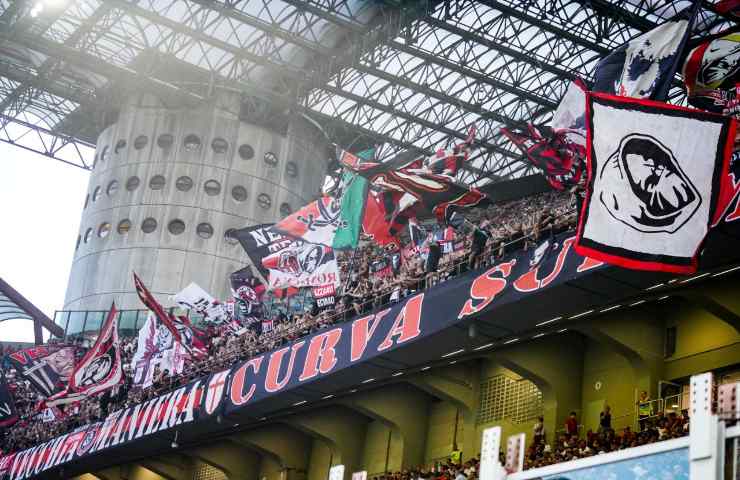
x=314 y=356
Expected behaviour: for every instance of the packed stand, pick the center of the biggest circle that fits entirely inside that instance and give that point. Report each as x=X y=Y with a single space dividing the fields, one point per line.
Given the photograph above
x=508 y=227
x=569 y=445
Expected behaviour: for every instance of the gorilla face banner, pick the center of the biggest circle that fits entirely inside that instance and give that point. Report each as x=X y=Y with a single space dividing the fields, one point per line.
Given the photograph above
x=655 y=181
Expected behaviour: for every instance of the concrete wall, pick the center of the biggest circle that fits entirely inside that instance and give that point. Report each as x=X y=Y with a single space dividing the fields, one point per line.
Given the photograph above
x=102 y=266
x=703 y=342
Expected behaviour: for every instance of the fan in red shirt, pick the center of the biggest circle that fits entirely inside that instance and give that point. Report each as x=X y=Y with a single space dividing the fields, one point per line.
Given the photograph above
x=571 y=425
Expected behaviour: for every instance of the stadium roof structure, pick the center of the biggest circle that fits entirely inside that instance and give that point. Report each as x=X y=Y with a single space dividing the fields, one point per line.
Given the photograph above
x=14 y=306
x=407 y=74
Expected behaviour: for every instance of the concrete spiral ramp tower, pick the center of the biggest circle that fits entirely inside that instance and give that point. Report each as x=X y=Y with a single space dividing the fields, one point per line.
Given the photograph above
x=166 y=187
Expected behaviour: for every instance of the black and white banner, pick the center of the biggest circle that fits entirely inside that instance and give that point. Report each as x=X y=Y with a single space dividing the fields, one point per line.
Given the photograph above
x=194 y=298
x=302 y=265
x=260 y=241
x=656 y=172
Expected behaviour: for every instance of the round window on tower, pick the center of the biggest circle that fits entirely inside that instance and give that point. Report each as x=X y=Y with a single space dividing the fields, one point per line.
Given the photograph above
x=246 y=152
x=204 y=230
x=157 y=182
x=165 y=140
x=124 y=226
x=176 y=226
x=120 y=145
x=105 y=155
x=141 y=142
x=112 y=188
x=191 y=142
x=103 y=229
x=291 y=169
x=96 y=194
x=132 y=183
x=148 y=225
x=264 y=201
x=184 y=183
x=230 y=236
x=212 y=188
x=271 y=159
x=239 y=193
x=88 y=235
x=219 y=145
x=285 y=209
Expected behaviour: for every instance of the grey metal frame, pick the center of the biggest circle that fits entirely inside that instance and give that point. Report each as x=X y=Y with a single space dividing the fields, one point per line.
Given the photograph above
x=406 y=74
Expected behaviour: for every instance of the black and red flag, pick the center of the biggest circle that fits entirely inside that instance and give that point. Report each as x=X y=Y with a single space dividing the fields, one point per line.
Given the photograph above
x=560 y=160
x=100 y=369
x=182 y=331
x=439 y=194
x=32 y=365
x=450 y=161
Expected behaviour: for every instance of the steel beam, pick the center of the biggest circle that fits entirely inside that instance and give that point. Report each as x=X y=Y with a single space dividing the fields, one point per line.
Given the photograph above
x=48 y=143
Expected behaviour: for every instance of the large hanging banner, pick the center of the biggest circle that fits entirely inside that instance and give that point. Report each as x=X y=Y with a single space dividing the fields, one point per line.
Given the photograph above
x=656 y=182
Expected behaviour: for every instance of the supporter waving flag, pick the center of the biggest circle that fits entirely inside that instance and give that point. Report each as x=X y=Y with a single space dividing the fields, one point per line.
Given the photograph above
x=655 y=182
x=99 y=370
x=560 y=160
x=247 y=291
x=190 y=338
x=194 y=298
x=449 y=162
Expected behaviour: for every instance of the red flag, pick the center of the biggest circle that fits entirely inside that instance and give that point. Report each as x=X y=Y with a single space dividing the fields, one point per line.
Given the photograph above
x=152 y=304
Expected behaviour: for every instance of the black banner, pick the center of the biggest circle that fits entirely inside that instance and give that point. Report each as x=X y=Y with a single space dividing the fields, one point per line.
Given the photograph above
x=248 y=291
x=260 y=241
x=32 y=365
x=8 y=412
x=325 y=296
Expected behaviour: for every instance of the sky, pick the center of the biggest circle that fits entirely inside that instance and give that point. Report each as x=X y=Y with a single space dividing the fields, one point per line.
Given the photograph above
x=41 y=203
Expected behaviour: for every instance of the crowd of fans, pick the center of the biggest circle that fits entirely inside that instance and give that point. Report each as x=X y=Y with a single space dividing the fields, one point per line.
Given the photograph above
x=571 y=446
x=506 y=227
x=450 y=469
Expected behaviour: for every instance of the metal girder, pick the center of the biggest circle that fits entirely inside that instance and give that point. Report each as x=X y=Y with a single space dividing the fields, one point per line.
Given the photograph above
x=166 y=91
x=237 y=65
x=411 y=73
x=9 y=295
x=34 y=138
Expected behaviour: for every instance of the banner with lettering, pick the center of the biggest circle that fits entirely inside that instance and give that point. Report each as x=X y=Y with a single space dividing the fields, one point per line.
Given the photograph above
x=307 y=359
x=325 y=296
x=34 y=365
